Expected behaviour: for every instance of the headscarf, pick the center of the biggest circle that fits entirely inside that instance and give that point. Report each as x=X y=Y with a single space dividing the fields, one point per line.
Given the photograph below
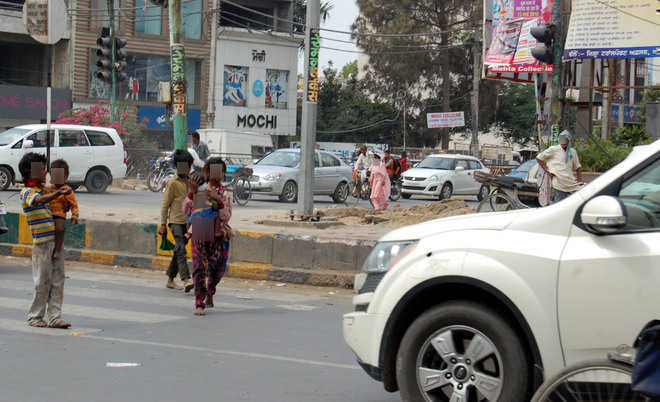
x=568 y=137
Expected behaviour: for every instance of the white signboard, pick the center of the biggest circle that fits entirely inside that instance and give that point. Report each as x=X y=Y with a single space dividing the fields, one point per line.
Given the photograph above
x=443 y=120
x=613 y=29
x=45 y=20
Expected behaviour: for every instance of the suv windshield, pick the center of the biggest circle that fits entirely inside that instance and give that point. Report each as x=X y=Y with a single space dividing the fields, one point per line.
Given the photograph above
x=12 y=135
x=281 y=158
x=437 y=163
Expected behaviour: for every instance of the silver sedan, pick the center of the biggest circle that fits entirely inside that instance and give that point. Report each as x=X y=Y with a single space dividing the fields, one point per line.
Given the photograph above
x=277 y=174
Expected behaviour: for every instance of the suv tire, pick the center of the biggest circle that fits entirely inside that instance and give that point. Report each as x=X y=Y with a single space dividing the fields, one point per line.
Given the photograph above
x=498 y=353
x=97 y=181
x=5 y=178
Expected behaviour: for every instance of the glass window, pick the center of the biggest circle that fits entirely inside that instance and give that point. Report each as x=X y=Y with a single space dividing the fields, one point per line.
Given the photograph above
x=99 y=138
x=103 y=18
x=474 y=165
x=39 y=139
x=329 y=160
x=192 y=19
x=11 y=135
x=18 y=145
x=641 y=196
x=281 y=158
x=463 y=164
x=277 y=84
x=436 y=163
x=147 y=17
x=73 y=138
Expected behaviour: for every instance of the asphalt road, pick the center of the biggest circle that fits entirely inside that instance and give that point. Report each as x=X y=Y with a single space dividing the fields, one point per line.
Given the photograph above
x=262 y=342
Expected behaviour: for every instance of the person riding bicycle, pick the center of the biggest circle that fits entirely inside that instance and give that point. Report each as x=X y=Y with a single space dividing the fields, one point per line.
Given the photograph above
x=363 y=164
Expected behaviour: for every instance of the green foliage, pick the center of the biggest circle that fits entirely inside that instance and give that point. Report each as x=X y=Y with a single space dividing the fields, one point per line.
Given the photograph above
x=300 y=13
x=349 y=70
x=652 y=95
x=517 y=112
x=593 y=159
x=631 y=136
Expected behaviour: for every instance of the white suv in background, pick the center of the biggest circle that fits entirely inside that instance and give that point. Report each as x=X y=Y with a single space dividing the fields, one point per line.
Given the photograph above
x=485 y=306
x=96 y=155
x=444 y=175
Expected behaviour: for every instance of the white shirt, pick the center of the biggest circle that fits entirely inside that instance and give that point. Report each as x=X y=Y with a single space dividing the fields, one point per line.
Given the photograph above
x=363 y=161
x=564 y=173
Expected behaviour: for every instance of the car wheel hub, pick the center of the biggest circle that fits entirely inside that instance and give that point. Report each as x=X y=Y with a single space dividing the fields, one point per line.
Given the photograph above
x=459 y=363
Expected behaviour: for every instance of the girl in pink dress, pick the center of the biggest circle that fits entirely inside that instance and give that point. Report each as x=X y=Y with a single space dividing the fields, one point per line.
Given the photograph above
x=380 y=184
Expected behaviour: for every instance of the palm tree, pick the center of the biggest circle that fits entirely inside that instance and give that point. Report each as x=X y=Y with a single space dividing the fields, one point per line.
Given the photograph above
x=300 y=13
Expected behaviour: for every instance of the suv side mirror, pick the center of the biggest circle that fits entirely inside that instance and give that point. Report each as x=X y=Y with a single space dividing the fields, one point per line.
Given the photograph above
x=28 y=144
x=604 y=214
x=459 y=168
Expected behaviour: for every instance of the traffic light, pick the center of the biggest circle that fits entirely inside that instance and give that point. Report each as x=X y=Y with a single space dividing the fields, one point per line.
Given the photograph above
x=104 y=53
x=543 y=51
x=120 y=59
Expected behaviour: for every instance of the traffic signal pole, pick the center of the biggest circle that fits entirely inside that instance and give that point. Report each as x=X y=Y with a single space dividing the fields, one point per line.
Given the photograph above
x=558 y=50
x=113 y=90
x=178 y=80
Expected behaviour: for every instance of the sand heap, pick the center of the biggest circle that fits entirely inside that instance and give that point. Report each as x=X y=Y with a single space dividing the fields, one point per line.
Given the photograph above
x=397 y=216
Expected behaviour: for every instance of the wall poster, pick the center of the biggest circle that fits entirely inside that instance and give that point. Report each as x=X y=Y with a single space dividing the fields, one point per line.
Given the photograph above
x=277 y=84
x=235 y=86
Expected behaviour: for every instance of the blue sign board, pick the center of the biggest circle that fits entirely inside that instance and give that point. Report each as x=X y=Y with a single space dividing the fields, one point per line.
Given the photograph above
x=258 y=88
x=631 y=113
x=615 y=112
x=154 y=118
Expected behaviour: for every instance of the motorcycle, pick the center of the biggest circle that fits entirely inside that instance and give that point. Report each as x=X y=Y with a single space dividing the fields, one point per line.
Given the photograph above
x=397 y=183
x=163 y=170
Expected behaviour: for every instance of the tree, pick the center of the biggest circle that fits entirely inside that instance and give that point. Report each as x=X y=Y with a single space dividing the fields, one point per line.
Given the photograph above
x=516 y=112
x=300 y=14
x=652 y=95
x=349 y=70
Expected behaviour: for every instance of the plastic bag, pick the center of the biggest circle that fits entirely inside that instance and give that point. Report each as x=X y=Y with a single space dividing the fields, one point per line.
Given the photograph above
x=165 y=244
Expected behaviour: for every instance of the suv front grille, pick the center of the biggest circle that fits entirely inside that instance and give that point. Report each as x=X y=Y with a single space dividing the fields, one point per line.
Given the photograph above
x=372 y=281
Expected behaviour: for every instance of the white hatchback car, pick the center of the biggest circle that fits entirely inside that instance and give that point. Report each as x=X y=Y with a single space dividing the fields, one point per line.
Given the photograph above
x=485 y=306
x=96 y=155
x=444 y=175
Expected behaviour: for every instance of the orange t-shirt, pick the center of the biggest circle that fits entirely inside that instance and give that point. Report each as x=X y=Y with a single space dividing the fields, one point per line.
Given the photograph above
x=63 y=204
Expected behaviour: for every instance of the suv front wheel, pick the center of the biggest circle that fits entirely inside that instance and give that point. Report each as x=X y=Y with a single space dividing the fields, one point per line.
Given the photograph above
x=461 y=351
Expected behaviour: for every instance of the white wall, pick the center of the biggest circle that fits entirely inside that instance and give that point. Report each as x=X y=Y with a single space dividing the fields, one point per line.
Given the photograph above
x=235 y=48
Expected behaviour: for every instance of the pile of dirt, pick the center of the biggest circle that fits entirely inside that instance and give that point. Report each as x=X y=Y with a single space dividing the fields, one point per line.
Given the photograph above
x=397 y=216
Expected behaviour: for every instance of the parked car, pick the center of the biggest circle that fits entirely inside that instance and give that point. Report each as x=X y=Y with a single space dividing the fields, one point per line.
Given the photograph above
x=488 y=305
x=444 y=175
x=277 y=174
x=96 y=155
x=522 y=171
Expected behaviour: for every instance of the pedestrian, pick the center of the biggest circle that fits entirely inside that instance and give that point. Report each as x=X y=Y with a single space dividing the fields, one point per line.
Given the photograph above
x=380 y=184
x=562 y=164
x=60 y=206
x=210 y=254
x=388 y=162
x=403 y=160
x=47 y=271
x=172 y=216
x=200 y=147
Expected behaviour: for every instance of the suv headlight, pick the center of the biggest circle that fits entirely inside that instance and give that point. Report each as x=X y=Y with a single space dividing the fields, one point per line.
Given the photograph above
x=386 y=254
x=272 y=176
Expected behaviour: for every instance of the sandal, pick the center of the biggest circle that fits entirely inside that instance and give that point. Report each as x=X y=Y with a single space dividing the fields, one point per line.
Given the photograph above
x=60 y=324
x=38 y=324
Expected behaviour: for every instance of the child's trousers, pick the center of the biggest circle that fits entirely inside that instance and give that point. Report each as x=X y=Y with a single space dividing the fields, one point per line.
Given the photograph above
x=209 y=261
x=48 y=276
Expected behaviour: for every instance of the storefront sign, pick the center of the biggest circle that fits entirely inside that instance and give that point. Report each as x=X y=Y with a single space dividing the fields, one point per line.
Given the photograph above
x=443 y=120
x=313 y=67
x=154 y=118
x=259 y=121
x=613 y=29
x=17 y=101
x=258 y=56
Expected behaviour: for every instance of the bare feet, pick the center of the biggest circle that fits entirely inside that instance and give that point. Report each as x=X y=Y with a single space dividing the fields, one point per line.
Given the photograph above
x=199 y=311
x=60 y=324
x=57 y=255
x=209 y=301
x=38 y=324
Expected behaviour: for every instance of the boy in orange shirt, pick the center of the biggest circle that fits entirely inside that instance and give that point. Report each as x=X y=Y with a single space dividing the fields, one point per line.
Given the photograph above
x=59 y=174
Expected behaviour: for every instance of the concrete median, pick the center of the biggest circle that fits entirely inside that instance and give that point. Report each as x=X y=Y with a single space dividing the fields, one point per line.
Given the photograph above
x=277 y=256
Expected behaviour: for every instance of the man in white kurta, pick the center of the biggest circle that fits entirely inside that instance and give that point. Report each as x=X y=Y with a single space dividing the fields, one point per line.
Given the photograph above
x=563 y=165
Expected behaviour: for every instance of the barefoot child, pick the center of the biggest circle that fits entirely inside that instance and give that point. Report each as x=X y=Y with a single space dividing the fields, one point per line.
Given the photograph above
x=47 y=272
x=60 y=206
x=209 y=256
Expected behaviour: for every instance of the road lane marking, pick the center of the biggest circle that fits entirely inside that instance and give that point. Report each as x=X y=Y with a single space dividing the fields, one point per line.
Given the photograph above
x=22 y=326
x=223 y=352
x=100 y=293
x=96 y=312
x=296 y=307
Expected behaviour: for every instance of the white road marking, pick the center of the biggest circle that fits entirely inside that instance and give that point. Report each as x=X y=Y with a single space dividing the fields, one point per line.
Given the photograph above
x=96 y=312
x=296 y=307
x=223 y=352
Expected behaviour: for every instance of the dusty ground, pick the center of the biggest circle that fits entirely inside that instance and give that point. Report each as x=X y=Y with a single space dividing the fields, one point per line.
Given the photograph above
x=397 y=216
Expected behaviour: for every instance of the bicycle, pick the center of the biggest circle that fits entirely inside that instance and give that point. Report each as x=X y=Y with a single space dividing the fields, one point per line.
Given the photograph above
x=240 y=186
x=360 y=190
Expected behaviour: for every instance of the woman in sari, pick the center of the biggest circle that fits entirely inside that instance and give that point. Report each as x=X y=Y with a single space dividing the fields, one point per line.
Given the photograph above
x=380 y=184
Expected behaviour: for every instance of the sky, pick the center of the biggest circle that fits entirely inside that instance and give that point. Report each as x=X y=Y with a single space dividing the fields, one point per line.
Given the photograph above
x=342 y=16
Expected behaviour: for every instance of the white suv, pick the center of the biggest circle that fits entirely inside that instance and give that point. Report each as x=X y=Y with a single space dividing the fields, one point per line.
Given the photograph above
x=443 y=175
x=488 y=305
x=96 y=155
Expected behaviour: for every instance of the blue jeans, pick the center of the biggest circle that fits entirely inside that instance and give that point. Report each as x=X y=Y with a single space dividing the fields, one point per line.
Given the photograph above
x=559 y=195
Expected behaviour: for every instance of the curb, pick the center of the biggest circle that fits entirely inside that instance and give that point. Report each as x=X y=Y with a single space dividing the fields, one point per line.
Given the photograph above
x=238 y=269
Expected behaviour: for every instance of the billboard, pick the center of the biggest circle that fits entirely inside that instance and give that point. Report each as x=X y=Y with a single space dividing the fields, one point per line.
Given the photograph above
x=613 y=29
x=444 y=120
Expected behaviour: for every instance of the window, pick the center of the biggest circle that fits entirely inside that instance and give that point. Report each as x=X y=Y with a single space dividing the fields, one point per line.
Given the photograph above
x=462 y=163
x=73 y=138
x=474 y=165
x=18 y=145
x=39 y=139
x=99 y=138
x=192 y=19
x=329 y=160
x=102 y=19
x=316 y=160
x=641 y=196
x=147 y=19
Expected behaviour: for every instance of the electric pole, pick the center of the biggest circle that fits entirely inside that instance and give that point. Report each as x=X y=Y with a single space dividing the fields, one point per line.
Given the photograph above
x=558 y=49
x=476 y=79
x=113 y=76
x=178 y=78
x=308 y=140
